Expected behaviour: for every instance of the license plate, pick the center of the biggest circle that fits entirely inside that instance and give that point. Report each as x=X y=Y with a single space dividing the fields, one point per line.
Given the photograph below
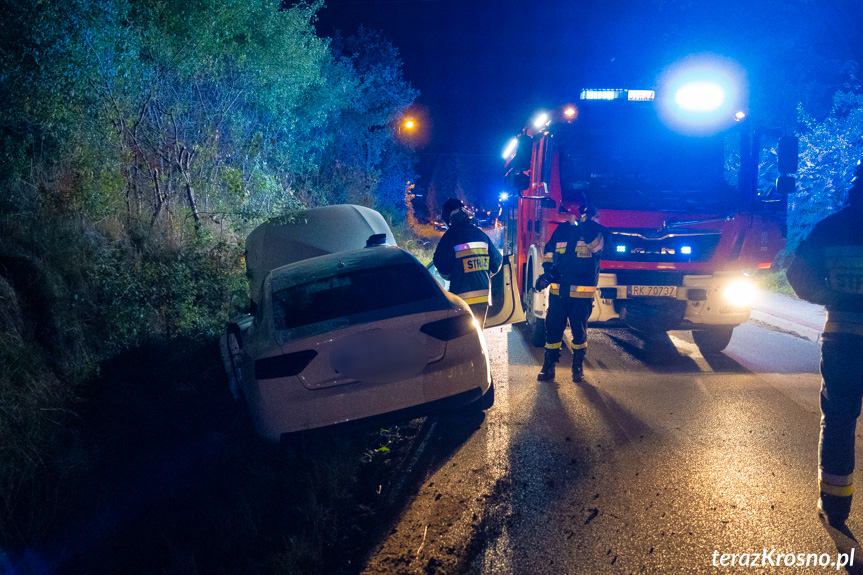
x=651 y=291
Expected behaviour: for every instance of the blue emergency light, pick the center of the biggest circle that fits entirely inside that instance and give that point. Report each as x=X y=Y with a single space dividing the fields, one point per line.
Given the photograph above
x=686 y=250
x=702 y=94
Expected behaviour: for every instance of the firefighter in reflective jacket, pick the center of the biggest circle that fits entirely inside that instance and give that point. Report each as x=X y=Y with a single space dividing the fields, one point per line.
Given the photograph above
x=571 y=264
x=828 y=270
x=467 y=258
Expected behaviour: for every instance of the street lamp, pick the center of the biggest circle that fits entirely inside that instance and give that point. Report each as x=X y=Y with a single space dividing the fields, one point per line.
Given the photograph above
x=408 y=125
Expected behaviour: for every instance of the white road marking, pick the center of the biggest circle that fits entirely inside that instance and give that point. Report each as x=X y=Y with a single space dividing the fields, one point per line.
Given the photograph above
x=497 y=556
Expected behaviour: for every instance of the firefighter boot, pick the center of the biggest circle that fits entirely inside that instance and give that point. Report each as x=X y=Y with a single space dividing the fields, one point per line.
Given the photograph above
x=551 y=357
x=834 y=507
x=577 y=361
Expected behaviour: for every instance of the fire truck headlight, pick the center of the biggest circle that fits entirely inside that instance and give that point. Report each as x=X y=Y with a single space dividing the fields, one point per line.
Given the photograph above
x=686 y=250
x=739 y=293
x=621 y=249
x=541 y=121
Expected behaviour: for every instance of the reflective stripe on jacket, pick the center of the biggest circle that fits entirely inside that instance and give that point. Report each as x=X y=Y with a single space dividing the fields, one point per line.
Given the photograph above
x=575 y=291
x=575 y=250
x=467 y=258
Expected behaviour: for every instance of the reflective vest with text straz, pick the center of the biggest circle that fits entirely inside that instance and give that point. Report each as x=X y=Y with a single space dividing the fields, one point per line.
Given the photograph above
x=828 y=270
x=575 y=250
x=467 y=258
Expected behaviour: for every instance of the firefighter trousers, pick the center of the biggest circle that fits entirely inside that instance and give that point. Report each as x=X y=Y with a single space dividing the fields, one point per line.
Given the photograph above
x=574 y=309
x=841 y=396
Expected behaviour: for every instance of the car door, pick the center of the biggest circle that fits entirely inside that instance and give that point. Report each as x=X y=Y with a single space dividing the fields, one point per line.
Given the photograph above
x=505 y=305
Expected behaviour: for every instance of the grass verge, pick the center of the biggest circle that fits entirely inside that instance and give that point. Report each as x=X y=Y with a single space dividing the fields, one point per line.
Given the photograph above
x=181 y=484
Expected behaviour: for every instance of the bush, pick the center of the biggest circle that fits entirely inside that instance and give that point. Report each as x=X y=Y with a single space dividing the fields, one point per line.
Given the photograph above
x=41 y=458
x=151 y=290
x=775 y=282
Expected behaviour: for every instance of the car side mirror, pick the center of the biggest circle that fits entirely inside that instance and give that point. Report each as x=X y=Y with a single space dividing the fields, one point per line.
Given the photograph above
x=785 y=185
x=376 y=240
x=520 y=182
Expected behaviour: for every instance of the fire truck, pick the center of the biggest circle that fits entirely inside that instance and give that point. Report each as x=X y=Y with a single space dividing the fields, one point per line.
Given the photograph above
x=694 y=196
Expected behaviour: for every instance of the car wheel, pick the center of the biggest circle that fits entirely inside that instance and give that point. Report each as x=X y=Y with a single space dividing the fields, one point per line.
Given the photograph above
x=241 y=419
x=712 y=341
x=235 y=357
x=474 y=408
x=487 y=400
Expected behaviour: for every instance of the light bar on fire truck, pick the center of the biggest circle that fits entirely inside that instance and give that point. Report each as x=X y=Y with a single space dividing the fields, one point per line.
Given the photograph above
x=631 y=95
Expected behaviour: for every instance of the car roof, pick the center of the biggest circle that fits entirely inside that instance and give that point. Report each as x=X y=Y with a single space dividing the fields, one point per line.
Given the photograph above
x=335 y=264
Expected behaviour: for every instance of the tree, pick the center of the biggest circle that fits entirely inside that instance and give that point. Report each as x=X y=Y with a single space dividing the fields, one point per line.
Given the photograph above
x=365 y=163
x=829 y=152
x=433 y=204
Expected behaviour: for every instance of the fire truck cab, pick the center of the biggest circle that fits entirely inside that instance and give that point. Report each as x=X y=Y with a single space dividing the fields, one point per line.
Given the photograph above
x=694 y=198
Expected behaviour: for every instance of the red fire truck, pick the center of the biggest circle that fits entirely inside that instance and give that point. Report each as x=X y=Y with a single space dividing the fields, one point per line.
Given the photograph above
x=694 y=197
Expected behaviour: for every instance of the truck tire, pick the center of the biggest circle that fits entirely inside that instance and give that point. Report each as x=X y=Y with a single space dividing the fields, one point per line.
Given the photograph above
x=712 y=341
x=536 y=332
x=534 y=326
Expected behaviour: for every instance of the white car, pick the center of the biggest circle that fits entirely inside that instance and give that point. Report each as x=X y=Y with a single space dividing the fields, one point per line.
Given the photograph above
x=356 y=335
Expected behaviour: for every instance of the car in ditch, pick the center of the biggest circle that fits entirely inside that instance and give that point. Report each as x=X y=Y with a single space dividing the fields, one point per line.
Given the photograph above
x=356 y=335
x=360 y=335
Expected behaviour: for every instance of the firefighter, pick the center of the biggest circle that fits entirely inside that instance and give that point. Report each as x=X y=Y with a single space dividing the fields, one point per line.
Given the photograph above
x=467 y=258
x=828 y=270
x=571 y=268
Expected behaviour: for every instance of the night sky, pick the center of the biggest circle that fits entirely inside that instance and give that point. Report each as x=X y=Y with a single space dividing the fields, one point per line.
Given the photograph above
x=483 y=67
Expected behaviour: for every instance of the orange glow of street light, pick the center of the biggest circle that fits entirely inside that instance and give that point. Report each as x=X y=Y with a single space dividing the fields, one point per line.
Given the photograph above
x=409 y=124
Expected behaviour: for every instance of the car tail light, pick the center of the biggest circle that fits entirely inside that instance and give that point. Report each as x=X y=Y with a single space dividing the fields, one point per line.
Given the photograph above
x=450 y=328
x=283 y=365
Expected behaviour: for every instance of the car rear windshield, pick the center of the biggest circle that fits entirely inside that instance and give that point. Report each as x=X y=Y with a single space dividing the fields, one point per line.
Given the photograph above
x=354 y=293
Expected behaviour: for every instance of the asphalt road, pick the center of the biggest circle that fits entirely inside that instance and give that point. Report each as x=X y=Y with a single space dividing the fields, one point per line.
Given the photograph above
x=662 y=461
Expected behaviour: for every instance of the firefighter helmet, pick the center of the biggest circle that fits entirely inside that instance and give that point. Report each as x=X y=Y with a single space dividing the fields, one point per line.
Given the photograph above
x=586 y=212
x=451 y=207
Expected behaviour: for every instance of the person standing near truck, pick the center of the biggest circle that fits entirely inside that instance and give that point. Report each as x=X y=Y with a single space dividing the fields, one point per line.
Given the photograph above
x=828 y=270
x=571 y=263
x=467 y=258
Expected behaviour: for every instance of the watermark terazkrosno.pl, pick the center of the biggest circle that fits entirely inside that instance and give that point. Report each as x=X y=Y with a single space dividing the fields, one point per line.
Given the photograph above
x=775 y=558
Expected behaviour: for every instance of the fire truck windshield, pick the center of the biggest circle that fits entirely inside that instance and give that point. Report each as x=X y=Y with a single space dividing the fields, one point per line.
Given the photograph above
x=627 y=159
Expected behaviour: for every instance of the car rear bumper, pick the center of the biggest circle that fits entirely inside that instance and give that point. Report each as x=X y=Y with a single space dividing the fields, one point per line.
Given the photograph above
x=282 y=406
x=402 y=415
